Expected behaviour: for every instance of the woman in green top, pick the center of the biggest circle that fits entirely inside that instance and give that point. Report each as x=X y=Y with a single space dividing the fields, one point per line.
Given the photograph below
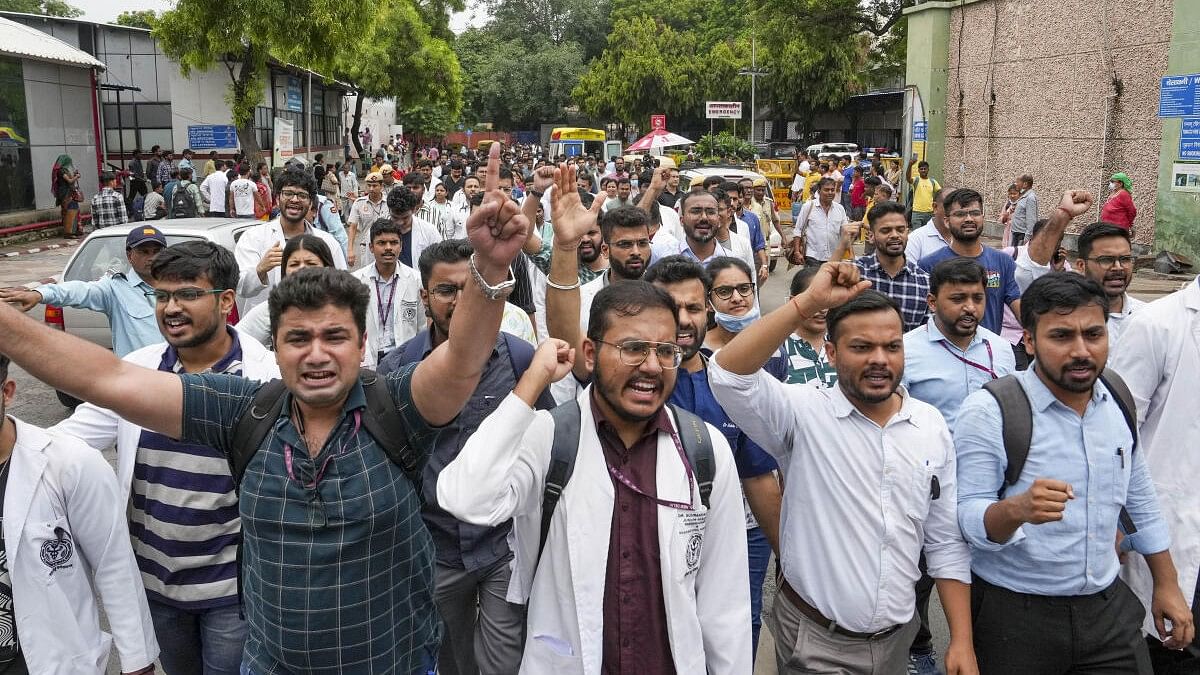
x=64 y=185
x=806 y=347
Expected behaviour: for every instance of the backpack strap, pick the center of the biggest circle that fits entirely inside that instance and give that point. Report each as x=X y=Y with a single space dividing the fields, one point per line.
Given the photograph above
x=252 y=427
x=1125 y=401
x=562 y=462
x=697 y=445
x=383 y=421
x=1016 y=418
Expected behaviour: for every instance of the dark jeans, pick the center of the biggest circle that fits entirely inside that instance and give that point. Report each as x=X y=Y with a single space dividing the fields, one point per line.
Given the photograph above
x=1172 y=662
x=923 y=642
x=760 y=557
x=1018 y=238
x=1097 y=634
x=1021 y=355
x=203 y=642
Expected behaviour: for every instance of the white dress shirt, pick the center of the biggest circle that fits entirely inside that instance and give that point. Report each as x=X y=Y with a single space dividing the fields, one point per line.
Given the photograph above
x=824 y=228
x=1117 y=321
x=923 y=241
x=858 y=508
x=255 y=242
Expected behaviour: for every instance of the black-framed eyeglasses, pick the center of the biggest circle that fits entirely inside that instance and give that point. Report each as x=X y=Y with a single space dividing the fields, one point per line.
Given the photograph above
x=446 y=292
x=726 y=292
x=635 y=352
x=289 y=194
x=1112 y=260
x=630 y=244
x=974 y=213
x=189 y=294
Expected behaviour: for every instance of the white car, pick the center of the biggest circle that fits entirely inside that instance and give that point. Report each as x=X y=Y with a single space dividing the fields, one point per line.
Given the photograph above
x=824 y=150
x=736 y=174
x=103 y=252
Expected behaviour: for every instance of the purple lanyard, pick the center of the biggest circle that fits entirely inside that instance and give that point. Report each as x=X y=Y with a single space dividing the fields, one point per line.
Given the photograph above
x=287 y=454
x=989 y=369
x=682 y=506
x=385 y=311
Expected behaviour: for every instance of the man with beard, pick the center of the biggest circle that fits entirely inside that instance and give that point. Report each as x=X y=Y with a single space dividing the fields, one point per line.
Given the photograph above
x=863 y=452
x=635 y=575
x=945 y=361
x=483 y=632
x=888 y=269
x=964 y=216
x=1106 y=257
x=625 y=237
x=260 y=250
x=592 y=262
x=461 y=205
x=689 y=284
x=700 y=218
x=1046 y=594
x=453 y=181
x=183 y=517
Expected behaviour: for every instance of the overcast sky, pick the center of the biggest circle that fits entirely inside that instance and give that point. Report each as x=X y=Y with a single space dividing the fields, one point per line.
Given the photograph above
x=107 y=10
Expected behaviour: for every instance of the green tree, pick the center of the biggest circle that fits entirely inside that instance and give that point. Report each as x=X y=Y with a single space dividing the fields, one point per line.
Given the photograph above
x=426 y=119
x=137 y=18
x=44 y=7
x=401 y=58
x=243 y=34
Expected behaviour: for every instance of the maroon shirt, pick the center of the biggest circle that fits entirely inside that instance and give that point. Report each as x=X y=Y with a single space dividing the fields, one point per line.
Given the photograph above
x=635 y=613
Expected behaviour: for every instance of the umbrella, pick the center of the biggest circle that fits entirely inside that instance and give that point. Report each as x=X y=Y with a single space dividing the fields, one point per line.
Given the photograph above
x=659 y=138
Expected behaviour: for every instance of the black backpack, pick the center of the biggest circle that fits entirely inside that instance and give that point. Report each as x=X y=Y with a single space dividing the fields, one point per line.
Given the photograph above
x=1016 y=417
x=183 y=205
x=693 y=434
x=381 y=420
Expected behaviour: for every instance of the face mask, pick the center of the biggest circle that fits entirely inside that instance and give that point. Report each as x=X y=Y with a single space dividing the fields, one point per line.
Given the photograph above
x=1112 y=186
x=736 y=324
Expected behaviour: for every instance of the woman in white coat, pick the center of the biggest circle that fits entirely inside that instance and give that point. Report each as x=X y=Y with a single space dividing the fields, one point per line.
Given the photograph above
x=65 y=541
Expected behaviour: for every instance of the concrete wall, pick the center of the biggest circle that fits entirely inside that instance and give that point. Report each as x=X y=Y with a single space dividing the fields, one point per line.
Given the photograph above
x=59 y=102
x=1179 y=212
x=1030 y=89
x=927 y=62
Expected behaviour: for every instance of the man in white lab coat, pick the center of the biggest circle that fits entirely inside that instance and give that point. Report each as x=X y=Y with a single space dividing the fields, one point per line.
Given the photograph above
x=636 y=575
x=64 y=534
x=1159 y=358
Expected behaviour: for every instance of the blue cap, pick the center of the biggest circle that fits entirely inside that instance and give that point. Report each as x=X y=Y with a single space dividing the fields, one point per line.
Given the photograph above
x=142 y=234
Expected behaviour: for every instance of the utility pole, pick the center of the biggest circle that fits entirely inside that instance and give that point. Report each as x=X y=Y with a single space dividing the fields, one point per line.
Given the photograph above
x=754 y=73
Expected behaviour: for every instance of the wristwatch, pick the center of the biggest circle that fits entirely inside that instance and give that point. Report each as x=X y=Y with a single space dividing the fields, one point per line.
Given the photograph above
x=498 y=292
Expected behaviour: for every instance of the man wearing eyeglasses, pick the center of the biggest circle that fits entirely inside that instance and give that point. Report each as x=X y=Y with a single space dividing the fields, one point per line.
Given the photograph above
x=700 y=218
x=183 y=517
x=259 y=252
x=120 y=296
x=1106 y=257
x=331 y=525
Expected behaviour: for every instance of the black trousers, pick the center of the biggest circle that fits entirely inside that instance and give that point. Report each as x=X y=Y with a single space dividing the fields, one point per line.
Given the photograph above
x=923 y=642
x=1097 y=634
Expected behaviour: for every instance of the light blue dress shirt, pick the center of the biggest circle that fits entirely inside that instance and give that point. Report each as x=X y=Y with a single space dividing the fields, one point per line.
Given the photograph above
x=1074 y=556
x=938 y=372
x=121 y=297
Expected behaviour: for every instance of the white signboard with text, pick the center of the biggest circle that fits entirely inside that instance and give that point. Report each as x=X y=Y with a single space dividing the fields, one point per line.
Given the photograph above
x=723 y=110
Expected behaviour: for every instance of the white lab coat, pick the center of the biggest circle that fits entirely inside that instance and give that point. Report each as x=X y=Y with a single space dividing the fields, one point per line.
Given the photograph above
x=500 y=474
x=67 y=541
x=1159 y=359
x=255 y=242
x=408 y=315
x=100 y=427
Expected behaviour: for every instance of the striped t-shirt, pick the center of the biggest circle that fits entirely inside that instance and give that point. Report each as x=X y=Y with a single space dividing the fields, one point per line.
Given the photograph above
x=183 y=517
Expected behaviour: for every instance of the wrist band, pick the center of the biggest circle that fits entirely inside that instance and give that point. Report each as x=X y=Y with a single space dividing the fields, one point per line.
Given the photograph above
x=563 y=287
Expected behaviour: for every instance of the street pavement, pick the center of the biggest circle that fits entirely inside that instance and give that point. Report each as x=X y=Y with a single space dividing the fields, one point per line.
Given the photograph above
x=37 y=404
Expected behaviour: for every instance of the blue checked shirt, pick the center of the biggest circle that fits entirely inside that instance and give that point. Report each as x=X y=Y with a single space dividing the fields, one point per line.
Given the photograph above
x=1074 y=556
x=337 y=578
x=108 y=208
x=909 y=288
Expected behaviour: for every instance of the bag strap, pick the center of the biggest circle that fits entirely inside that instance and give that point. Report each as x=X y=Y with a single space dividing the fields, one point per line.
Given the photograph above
x=562 y=462
x=383 y=421
x=697 y=445
x=1125 y=401
x=1016 y=418
x=252 y=427
x=805 y=214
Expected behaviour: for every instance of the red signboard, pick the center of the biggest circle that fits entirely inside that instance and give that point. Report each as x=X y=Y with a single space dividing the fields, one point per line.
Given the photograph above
x=658 y=122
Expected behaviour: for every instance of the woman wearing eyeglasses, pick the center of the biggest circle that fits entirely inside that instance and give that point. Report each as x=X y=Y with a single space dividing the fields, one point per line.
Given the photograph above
x=732 y=299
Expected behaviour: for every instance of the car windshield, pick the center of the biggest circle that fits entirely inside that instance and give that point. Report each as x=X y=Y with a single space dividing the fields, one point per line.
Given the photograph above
x=104 y=255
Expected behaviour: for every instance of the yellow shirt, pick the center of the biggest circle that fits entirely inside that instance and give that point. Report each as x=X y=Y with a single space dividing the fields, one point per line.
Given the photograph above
x=809 y=181
x=923 y=189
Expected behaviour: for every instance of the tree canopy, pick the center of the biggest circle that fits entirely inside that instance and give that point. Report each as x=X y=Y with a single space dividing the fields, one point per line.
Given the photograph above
x=137 y=18
x=43 y=7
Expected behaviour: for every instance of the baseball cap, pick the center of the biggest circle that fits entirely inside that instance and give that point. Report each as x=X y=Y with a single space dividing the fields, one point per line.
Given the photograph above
x=140 y=235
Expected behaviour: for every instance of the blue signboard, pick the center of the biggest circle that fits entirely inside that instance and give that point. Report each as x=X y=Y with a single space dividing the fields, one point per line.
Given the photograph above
x=1179 y=96
x=1189 y=139
x=295 y=99
x=920 y=129
x=212 y=136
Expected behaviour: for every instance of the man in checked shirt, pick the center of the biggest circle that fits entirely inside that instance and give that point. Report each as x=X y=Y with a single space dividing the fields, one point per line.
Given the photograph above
x=108 y=206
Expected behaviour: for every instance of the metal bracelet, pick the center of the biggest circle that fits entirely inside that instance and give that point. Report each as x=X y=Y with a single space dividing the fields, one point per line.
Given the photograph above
x=490 y=292
x=561 y=287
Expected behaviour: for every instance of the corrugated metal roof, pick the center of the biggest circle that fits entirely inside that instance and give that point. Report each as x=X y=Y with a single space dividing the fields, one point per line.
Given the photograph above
x=30 y=43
